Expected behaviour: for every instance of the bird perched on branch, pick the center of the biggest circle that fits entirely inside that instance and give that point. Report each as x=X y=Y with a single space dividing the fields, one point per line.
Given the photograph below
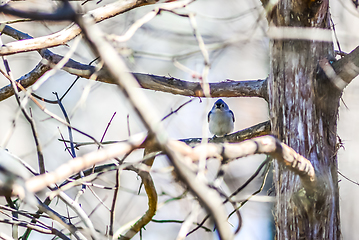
x=220 y=119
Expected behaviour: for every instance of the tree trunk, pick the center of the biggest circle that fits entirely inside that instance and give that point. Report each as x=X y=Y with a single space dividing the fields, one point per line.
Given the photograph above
x=304 y=107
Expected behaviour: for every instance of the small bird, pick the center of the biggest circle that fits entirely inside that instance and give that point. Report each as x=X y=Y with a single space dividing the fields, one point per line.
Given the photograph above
x=220 y=119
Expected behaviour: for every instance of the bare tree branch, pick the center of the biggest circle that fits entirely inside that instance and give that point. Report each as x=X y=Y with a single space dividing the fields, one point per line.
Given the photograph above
x=229 y=88
x=26 y=80
x=151 y=195
x=75 y=165
x=114 y=203
x=260 y=129
x=260 y=145
x=256 y=88
x=70 y=32
x=152 y=205
x=229 y=151
x=239 y=136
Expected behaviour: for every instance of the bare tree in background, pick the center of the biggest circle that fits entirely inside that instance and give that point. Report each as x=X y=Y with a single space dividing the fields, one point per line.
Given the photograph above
x=303 y=89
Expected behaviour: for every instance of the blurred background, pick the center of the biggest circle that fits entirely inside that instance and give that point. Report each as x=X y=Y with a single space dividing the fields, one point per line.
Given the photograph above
x=235 y=36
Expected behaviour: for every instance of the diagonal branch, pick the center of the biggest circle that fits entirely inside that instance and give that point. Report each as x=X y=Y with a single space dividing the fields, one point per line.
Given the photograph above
x=26 y=81
x=70 y=32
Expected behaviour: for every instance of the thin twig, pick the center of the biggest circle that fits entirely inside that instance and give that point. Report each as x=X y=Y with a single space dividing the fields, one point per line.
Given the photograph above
x=335 y=35
x=101 y=202
x=54 y=116
x=31 y=121
x=108 y=125
x=356 y=183
x=128 y=125
x=177 y=109
x=65 y=143
x=114 y=201
x=253 y=194
x=233 y=194
x=61 y=98
x=178 y=221
x=73 y=152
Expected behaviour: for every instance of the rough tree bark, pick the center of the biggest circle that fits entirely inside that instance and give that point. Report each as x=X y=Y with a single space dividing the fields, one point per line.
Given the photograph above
x=303 y=111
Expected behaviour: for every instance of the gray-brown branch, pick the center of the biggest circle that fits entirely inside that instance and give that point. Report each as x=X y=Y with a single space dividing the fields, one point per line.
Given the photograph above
x=229 y=88
x=260 y=129
x=152 y=204
x=260 y=145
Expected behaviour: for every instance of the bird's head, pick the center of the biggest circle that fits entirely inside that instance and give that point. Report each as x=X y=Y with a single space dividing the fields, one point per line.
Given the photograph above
x=220 y=104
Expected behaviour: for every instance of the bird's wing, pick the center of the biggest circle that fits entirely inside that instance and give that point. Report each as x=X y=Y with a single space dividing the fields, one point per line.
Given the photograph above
x=230 y=111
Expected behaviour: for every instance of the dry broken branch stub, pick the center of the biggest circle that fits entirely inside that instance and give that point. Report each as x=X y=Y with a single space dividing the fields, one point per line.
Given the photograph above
x=347 y=68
